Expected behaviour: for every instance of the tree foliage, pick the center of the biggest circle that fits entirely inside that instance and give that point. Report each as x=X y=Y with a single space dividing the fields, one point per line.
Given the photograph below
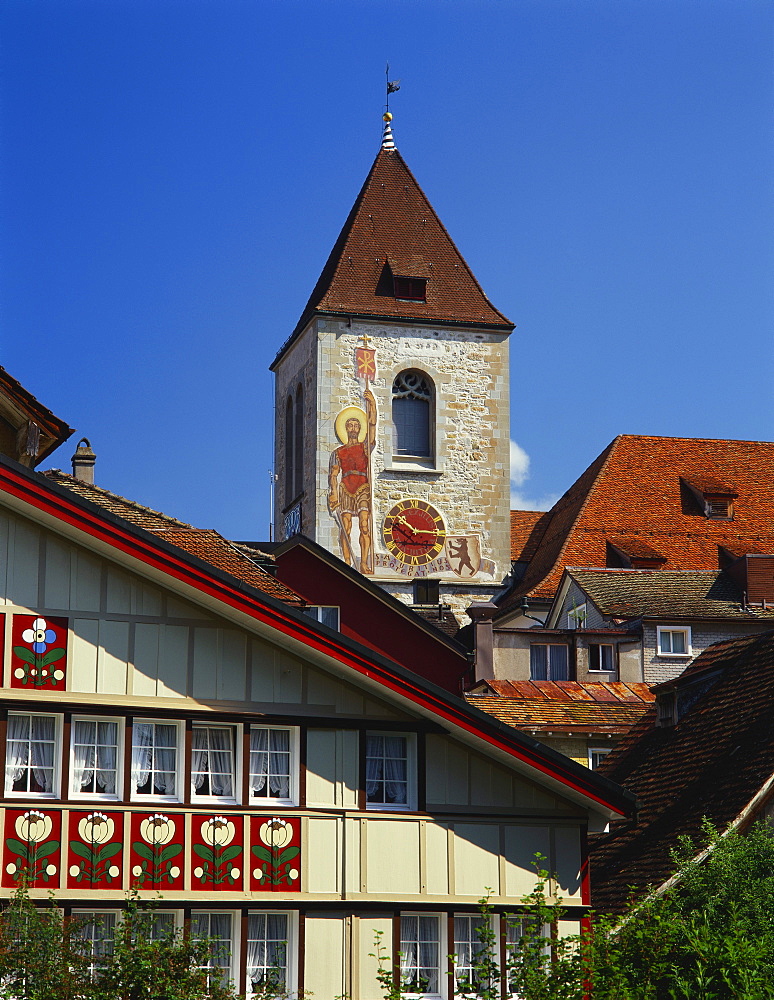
x=42 y=957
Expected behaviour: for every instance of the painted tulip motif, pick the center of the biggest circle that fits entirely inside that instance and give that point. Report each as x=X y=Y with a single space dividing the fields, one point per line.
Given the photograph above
x=33 y=827
x=97 y=828
x=274 y=869
x=95 y=850
x=157 y=830
x=276 y=833
x=35 y=660
x=217 y=856
x=32 y=848
x=156 y=851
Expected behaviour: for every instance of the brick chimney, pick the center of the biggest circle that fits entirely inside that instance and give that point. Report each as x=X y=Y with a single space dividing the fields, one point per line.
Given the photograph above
x=83 y=462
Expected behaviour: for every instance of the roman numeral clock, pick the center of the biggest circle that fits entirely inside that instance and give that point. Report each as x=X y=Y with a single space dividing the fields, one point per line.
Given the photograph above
x=414 y=532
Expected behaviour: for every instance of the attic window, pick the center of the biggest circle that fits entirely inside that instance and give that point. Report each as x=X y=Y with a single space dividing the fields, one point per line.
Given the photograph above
x=720 y=508
x=410 y=289
x=715 y=499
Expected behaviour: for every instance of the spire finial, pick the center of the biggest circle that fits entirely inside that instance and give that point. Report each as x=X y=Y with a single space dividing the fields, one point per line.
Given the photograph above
x=392 y=85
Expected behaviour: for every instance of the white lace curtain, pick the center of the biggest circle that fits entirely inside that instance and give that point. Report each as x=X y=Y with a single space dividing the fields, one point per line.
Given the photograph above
x=267 y=937
x=270 y=760
x=216 y=929
x=154 y=749
x=31 y=744
x=420 y=954
x=211 y=758
x=94 y=746
x=386 y=762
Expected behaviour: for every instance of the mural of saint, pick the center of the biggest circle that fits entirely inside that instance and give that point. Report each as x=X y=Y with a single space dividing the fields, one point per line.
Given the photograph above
x=349 y=481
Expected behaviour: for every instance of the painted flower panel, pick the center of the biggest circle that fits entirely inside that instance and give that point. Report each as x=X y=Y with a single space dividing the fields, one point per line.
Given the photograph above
x=156 y=851
x=275 y=854
x=95 y=850
x=31 y=847
x=39 y=652
x=217 y=852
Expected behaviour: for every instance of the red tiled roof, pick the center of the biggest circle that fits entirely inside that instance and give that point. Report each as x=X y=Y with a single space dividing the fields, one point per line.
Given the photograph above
x=205 y=544
x=632 y=493
x=393 y=225
x=711 y=764
x=527 y=527
x=54 y=430
x=565 y=706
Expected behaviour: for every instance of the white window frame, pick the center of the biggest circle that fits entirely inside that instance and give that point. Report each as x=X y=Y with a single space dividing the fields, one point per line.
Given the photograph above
x=475 y=918
x=236 y=775
x=99 y=796
x=576 y=617
x=509 y=920
x=411 y=772
x=291 y=950
x=157 y=796
x=86 y=913
x=685 y=629
x=604 y=670
x=56 y=781
x=258 y=801
x=315 y=611
x=236 y=937
x=597 y=750
x=441 y=923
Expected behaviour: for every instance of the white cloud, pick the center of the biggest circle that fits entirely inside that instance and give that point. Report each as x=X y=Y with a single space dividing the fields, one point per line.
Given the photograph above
x=519 y=476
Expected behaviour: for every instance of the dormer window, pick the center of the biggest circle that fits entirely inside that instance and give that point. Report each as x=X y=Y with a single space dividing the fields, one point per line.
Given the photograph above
x=715 y=499
x=720 y=508
x=409 y=289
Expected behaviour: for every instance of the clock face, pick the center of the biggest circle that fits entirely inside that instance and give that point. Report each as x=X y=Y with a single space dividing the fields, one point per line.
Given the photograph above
x=414 y=532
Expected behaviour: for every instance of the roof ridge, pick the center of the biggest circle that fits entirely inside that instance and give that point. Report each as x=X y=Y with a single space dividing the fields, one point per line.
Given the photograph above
x=52 y=473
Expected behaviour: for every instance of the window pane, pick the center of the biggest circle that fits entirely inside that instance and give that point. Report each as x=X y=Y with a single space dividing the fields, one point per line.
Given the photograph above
x=386 y=769
x=607 y=657
x=538 y=663
x=212 y=761
x=665 y=642
x=30 y=753
x=558 y=669
x=412 y=397
x=216 y=929
x=420 y=947
x=270 y=763
x=267 y=951
x=412 y=426
x=678 y=642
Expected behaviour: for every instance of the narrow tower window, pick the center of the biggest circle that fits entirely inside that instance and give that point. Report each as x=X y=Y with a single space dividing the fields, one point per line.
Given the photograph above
x=412 y=405
x=298 y=444
x=289 y=494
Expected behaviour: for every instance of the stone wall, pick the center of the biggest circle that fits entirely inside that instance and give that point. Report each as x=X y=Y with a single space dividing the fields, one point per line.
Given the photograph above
x=468 y=480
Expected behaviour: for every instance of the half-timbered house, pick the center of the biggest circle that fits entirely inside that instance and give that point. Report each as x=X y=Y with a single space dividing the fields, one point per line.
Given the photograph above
x=171 y=723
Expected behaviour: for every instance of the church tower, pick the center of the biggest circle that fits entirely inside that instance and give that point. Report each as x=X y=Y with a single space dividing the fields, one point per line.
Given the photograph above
x=392 y=401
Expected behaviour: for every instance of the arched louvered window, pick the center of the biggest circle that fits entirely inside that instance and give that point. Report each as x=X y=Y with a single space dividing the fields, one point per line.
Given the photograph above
x=412 y=414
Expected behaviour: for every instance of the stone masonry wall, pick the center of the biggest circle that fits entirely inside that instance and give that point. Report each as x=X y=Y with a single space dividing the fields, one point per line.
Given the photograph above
x=299 y=365
x=469 y=480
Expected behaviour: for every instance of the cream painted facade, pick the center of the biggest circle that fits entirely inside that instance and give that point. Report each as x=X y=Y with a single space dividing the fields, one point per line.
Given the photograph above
x=145 y=648
x=467 y=478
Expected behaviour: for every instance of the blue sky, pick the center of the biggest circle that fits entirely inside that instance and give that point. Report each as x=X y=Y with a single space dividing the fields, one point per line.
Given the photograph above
x=174 y=174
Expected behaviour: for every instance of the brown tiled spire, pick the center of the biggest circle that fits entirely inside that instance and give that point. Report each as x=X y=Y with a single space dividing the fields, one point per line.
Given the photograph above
x=392 y=229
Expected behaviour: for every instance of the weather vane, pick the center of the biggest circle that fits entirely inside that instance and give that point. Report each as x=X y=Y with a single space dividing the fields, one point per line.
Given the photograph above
x=392 y=86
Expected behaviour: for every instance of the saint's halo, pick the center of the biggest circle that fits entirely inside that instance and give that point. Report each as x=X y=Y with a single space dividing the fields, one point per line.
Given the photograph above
x=341 y=423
